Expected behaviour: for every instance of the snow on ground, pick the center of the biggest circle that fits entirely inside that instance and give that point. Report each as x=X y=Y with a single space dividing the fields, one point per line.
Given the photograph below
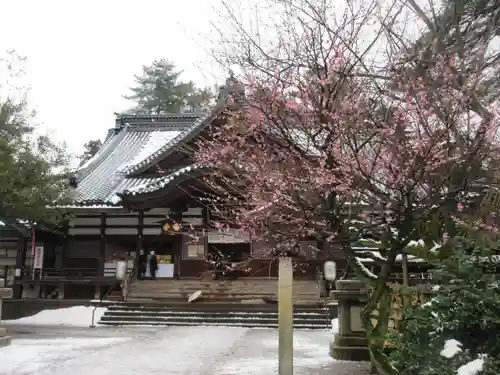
x=335 y=325
x=75 y=316
x=173 y=351
x=39 y=356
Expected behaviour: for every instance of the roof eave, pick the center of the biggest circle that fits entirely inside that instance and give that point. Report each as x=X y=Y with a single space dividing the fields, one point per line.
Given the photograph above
x=196 y=171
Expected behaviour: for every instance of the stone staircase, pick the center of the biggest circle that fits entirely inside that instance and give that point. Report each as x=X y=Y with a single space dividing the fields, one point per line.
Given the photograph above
x=241 y=290
x=233 y=303
x=306 y=316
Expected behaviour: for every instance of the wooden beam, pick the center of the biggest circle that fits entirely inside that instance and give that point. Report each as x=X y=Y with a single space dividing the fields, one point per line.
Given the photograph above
x=102 y=245
x=140 y=241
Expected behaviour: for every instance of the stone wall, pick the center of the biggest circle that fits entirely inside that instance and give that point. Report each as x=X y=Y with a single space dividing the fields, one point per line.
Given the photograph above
x=4 y=293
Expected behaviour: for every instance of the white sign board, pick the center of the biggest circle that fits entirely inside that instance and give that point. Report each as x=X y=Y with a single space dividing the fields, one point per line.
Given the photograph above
x=228 y=237
x=330 y=270
x=38 y=258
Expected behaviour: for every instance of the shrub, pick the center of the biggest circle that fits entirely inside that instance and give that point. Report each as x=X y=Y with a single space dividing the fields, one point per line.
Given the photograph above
x=460 y=326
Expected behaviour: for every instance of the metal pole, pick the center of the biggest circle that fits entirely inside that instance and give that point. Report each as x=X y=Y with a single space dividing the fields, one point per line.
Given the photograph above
x=285 y=316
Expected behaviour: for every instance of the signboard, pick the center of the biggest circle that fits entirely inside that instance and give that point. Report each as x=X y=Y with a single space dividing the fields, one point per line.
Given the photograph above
x=228 y=237
x=38 y=258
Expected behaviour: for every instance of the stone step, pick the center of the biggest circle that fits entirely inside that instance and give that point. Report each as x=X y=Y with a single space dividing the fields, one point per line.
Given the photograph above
x=218 y=284
x=146 y=323
x=227 y=300
x=214 y=314
x=313 y=316
x=214 y=307
x=156 y=284
x=222 y=290
x=216 y=321
x=194 y=288
x=213 y=295
x=313 y=319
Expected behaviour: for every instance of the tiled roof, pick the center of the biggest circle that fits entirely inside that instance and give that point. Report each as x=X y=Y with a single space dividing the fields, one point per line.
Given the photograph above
x=162 y=182
x=167 y=147
x=101 y=178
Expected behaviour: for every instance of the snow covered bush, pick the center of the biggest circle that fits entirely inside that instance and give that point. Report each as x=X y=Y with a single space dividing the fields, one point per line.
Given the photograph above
x=458 y=331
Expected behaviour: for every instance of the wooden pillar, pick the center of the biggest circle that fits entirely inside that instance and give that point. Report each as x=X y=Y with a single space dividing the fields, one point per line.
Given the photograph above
x=140 y=245
x=64 y=258
x=102 y=255
x=20 y=260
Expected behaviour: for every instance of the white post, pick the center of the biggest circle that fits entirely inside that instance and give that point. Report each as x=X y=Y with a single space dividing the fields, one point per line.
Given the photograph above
x=285 y=316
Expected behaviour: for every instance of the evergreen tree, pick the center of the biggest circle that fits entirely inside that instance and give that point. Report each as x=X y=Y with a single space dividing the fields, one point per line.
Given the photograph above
x=90 y=149
x=31 y=166
x=460 y=326
x=159 y=90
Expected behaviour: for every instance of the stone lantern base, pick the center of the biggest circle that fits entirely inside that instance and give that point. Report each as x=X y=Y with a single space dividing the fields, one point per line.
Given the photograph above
x=350 y=343
x=4 y=293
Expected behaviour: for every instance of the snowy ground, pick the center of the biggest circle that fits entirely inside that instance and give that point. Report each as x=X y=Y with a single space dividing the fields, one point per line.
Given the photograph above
x=75 y=316
x=52 y=346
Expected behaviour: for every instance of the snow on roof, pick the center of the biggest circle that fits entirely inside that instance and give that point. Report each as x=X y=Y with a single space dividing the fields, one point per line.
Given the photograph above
x=374 y=255
x=100 y=180
x=154 y=142
x=197 y=125
x=100 y=206
x=164 y=181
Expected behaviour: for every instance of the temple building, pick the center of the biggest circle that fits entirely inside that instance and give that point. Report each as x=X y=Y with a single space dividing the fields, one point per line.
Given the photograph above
x=138 y=192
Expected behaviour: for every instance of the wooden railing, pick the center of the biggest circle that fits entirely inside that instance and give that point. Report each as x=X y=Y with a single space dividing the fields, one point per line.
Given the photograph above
x=67 y=273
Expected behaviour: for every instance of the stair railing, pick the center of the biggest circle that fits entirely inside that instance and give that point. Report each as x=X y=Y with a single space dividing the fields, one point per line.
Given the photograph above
x=100 y=302
x=130 y=278
x=126 y=282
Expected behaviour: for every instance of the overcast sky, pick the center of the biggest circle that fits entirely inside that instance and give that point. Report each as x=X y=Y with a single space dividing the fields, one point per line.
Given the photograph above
x=82 y=55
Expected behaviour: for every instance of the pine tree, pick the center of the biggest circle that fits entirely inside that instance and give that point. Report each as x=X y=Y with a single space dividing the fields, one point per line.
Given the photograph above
x=159 y=90
x=90 y=149
x=31 y=166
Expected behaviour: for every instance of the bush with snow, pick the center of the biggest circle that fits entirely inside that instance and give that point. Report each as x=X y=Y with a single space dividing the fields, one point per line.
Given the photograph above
x=458 y=331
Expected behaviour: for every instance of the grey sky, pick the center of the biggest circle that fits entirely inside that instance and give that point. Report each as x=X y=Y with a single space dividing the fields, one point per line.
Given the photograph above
x=82 y=55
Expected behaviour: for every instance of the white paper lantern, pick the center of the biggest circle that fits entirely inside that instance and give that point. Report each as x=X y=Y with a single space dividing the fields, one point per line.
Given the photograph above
x=330 y=270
